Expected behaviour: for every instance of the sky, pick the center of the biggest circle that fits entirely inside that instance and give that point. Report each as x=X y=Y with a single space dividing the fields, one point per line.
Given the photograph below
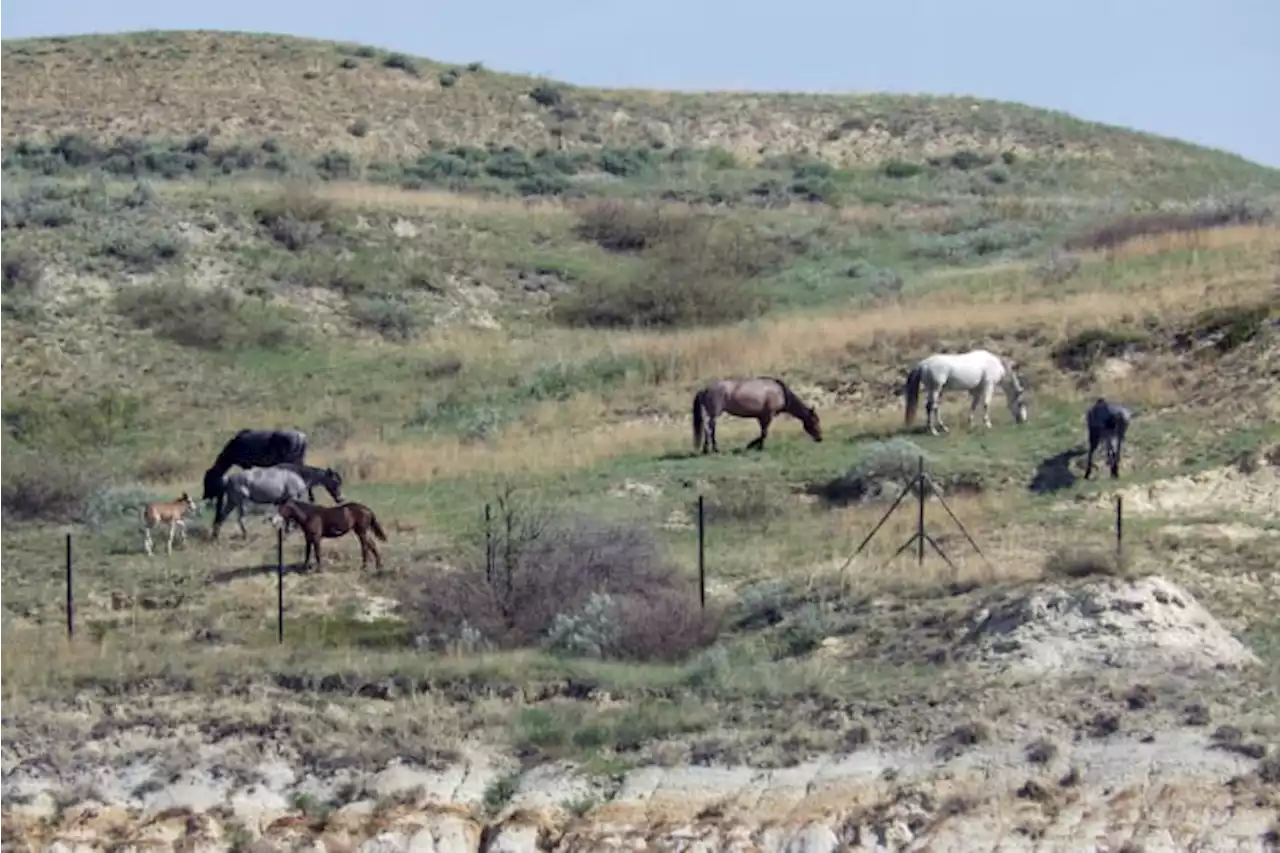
x=1207 y=71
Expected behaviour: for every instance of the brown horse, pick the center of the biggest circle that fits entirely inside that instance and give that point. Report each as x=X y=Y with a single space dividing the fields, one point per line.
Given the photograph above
x=332 y=522
x=760 y=398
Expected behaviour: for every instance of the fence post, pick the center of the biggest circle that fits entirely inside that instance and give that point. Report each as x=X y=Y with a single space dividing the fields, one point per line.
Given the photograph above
x=920 y=513
x=489 y=568
x=71 y=619
x=702 y=557
x=280 y=585
x=1119 y=526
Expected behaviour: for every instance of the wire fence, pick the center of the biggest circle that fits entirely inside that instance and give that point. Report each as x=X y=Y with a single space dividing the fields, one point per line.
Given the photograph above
x=921 y=540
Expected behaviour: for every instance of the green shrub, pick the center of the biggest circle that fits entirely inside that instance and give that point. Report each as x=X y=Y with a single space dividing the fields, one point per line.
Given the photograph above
x=660 y=298
x=206 y=319
x=73 y=424
x=401 y=62
x=45 y=488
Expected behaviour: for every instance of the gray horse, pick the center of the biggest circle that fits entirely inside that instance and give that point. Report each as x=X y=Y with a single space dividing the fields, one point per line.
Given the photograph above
x=330 y=479
x=1106 y=422
x=260 y=486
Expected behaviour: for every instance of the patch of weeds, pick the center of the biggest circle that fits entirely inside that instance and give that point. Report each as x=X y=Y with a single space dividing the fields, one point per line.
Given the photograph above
x=961 y=738
x=1041 y=751
x=23 y=272
x=1196 y=714
x=747 y=502
x=1084 y=562
x=500 y=792
x=143 y=252
x=1058 y=266
x=572 y=730
x=579 y=807
x=803 y=632
x=1103 y=724
x=311 y=807
x=1269 y=769
x=1231 y=739
x=337 y=631
x=1229 y=327
x=214 y=319
x=394 y=319
x=560 y=381
x=296 y=218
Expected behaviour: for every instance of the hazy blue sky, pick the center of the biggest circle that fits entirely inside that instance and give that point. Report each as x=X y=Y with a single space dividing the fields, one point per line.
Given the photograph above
x=1207 y=71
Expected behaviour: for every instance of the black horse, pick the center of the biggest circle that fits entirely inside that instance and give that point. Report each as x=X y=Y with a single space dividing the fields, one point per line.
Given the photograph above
x=253 y=448
x=1107 y=424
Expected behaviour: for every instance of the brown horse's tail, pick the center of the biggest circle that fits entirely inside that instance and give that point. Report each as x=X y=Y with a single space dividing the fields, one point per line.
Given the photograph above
x=376 y=527
x=698 y=426
x=913 y=393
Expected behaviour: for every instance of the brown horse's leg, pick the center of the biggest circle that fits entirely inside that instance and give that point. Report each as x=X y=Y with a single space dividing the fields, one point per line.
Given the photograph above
x=377 y=558
x=711 y=433
x=764 y=419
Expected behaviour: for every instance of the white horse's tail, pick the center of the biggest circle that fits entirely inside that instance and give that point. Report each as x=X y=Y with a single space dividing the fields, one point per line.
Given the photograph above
x=913 y=393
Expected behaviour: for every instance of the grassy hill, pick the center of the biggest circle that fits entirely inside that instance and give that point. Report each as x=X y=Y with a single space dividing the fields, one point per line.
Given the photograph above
x=458 y=281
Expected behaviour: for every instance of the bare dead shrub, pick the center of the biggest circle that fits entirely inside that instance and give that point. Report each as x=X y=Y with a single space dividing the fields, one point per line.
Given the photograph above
x=545 y=571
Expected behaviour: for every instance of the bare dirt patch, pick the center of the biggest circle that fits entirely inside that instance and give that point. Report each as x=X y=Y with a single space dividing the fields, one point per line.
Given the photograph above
x=1144 y=624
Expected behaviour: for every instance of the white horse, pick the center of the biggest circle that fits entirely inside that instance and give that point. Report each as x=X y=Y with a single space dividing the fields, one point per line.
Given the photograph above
x=976 y=371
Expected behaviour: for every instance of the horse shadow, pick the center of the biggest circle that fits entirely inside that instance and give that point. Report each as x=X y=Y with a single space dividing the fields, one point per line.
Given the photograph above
x=1054 y=474
x=244 y=572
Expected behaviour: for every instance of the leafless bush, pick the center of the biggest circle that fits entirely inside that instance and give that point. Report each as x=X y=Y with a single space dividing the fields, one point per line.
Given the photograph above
x=544 y=573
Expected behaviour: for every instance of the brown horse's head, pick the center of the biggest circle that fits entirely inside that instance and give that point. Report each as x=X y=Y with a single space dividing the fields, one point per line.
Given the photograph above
x=811 y=425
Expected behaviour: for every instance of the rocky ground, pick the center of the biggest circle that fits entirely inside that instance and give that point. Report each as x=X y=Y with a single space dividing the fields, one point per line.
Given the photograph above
x=1152 y=769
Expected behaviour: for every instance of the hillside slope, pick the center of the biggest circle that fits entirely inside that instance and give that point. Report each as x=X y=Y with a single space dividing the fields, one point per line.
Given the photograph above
x=310 y=95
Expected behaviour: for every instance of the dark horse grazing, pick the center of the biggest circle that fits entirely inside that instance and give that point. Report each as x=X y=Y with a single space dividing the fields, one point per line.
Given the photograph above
x=330 y=479
x=253 y=448
x=761 y=398
x=332 y=522
x=1106 y=422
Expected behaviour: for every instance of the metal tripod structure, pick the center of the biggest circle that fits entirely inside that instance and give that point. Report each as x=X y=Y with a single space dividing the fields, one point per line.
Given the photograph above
x=924 y=486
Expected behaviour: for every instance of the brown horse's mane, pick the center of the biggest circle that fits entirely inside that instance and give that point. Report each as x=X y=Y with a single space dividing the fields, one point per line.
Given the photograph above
x=788 y=396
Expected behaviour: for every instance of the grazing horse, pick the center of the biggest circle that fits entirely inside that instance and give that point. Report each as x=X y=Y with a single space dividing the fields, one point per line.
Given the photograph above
x=1106 y=422
x=760 y=398
x=333 y=522
x=330 y=479
x=253 y=448
x=170 y=513
x=259 y=486
x=976 y=371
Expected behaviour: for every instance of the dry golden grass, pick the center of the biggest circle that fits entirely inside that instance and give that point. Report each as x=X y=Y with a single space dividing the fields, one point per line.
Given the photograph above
x=1198 y=240
x=241 y=86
